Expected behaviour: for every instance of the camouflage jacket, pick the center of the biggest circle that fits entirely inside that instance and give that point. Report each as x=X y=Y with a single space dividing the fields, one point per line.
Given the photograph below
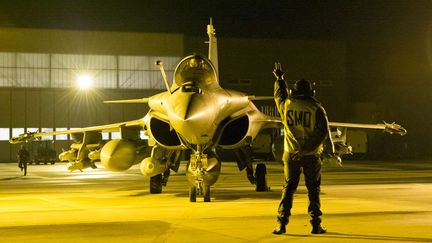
x=305 y=121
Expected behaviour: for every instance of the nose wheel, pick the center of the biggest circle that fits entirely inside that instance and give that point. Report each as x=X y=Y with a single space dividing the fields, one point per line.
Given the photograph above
x=195 y=191
x=206 y=193
x=203 y=170
x=192 y=194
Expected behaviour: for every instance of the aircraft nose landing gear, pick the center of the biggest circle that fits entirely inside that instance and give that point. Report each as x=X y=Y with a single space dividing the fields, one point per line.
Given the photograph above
x=200 y=188
x=195 y=191
x=202 y=171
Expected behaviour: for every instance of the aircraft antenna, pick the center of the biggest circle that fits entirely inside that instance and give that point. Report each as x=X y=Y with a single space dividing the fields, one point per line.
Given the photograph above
x=160 y=65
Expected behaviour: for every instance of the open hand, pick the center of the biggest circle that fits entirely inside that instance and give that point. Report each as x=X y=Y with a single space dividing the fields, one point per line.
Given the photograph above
x=278 y=72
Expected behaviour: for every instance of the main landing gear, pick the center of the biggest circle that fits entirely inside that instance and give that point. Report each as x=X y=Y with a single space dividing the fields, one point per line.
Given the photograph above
x=156 y=184
x=159 y=181
x=260 y=178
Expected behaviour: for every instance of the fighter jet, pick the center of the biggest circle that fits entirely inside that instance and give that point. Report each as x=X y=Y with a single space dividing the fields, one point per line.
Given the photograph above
x=194 y=116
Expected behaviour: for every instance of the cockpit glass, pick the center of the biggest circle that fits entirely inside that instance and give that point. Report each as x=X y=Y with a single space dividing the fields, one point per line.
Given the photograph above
x=195 y=69
x=190 y=87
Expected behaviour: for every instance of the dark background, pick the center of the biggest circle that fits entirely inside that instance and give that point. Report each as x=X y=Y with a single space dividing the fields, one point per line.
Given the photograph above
x=388 y=44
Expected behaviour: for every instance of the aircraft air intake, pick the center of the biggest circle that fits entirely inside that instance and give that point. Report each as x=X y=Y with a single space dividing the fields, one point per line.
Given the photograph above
x=163 y=133
x=234 y=131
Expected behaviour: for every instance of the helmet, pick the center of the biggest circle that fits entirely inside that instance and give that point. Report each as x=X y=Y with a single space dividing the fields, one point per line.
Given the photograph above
x=303 y=88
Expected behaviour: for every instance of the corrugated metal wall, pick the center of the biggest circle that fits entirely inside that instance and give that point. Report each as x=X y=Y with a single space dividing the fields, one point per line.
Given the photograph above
x=39 y=67
x=62 y=70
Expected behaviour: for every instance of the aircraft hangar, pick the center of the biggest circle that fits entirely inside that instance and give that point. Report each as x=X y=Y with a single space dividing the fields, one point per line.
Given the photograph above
x=40 y=70
x=370 y=61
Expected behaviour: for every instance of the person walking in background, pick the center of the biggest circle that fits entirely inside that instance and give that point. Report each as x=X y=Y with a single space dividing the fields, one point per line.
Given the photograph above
x=23 y=157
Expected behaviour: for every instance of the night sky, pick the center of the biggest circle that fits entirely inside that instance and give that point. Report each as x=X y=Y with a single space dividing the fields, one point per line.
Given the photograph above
x=339 y=19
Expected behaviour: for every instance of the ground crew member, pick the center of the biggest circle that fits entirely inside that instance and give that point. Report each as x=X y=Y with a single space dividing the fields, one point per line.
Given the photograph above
x=23 y=157
x=306 y=129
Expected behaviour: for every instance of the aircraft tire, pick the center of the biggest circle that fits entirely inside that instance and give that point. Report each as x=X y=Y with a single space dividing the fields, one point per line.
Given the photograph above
x=260 y=175
x=192 y=194
x=207 y=193
x=156 y=184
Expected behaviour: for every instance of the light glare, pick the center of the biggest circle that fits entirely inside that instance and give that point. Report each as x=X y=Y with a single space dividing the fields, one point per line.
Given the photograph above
x=84 y=81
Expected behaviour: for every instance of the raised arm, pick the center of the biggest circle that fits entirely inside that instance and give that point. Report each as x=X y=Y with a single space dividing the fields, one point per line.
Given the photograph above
x=280 y=89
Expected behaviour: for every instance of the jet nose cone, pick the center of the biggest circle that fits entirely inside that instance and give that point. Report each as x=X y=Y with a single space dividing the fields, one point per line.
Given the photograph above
x=179 y=104
x=193 y=118
x=189 y=107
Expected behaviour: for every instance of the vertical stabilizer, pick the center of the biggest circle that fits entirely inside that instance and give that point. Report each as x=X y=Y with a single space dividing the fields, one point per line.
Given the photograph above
x=213 y=53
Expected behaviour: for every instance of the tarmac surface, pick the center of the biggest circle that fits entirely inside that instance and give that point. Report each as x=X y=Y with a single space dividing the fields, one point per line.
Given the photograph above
x=363 y=201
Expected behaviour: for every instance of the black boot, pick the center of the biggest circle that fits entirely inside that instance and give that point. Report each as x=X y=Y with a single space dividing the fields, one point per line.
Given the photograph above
x=280 y=228
x=317 y=228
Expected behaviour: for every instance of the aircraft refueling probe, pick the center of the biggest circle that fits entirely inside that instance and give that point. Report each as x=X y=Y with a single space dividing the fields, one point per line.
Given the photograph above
x=160 y=65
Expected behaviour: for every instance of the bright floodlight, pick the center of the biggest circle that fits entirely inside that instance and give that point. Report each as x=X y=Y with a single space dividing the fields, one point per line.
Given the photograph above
x=84 y=81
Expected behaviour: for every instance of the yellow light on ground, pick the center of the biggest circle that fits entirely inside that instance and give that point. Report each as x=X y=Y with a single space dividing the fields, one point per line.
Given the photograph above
x=84 y=81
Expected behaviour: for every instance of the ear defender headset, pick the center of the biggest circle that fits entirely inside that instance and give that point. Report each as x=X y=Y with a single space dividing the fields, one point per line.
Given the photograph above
x=302 y=88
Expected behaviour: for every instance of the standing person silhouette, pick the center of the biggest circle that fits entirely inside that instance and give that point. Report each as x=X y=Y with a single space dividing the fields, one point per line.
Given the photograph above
x=23 y=157
x=305 y=128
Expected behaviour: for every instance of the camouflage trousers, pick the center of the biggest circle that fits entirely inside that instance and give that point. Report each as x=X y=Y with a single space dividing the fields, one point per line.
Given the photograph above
x=311 y=167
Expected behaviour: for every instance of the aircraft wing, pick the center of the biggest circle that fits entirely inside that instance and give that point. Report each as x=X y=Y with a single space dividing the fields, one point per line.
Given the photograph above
x=391 y=128
x=30 y=136
x=130 y=101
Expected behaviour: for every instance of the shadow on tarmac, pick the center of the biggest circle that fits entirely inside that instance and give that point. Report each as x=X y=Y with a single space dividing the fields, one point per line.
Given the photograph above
x=223 y=195
x=18 y=178
x=228 y=195
x=10 y=178
x=111 y=231
x=335 y=235
x=139 y=194
x=232 y=197
x=353 y=237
